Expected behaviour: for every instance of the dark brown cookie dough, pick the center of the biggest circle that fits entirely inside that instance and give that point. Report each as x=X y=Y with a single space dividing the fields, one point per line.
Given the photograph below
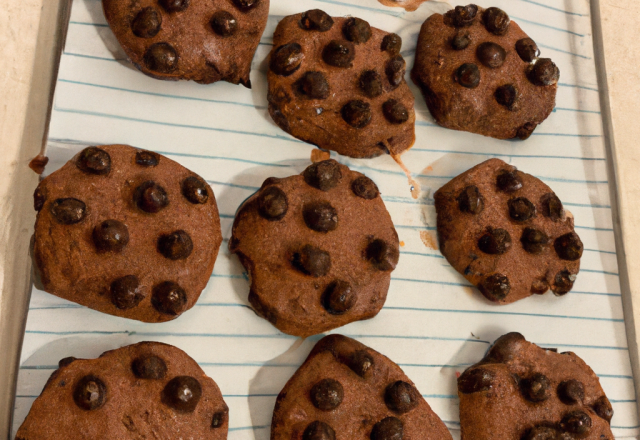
x=347 y=390
x=520 y=391
x=143 y=391
x=339 y=84
x=319 y=248
x=194 y=40
x=507 y=233
x=479 y=72
x=126 y=232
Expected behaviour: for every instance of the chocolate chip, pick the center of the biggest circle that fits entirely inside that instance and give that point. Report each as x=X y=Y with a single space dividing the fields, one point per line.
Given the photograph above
x=571 y=391
x=151 y=197
x=323 y=175
x=506 y=348
x=176 y=245
x=327 y=394
x=272 y=203
x=603 y=408
x=541 y=433
x=64 y=362
x=110 y=236
x=223 y=23
x=460 y=40
x=569 y=247
x=576 y=422
x=312 y=261
x=286 y=59
x=468 y=75
x=462 y=16
x=370 y=83
x=125 y=292
x=395 y=70
x=147 y=158
x=509 y=181
x=356 y=113
x=246 y=5
x=382 y=255
x=495 y=241
x=552 y=206
x=39 y=197
x=524 y=132
x=316 y=20
x=356 y=30
x=365 y=188
x=161 y=57
x=389 y=428
x=313 y=85
x=182 y=393
x=90 y=393
x=521 y=209
x=563 y=282
x=174 y=5
x=169 y=298
x=544 y=73
x=320 y=216
x=391 y=43
x=94 y=160
x=475 y=380
x=195 y=190
x=491 y=55
x=470 y=200
x=218 y=419
x=147 y=23
x=537 y=388
x=401 y=397
x=318 y=431
x=395 y=112
x=149 y=367
x=339 y=298
x=339 y=53
x=507 y=96
x=534 y=240
x=495 y=287
x=360 y=362
x=68 y=211
x=539 y=286
x=527 y=49
x=496 y=21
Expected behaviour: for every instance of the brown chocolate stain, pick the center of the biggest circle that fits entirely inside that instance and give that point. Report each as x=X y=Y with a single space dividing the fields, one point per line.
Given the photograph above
x=414 y=186
x=408 y=5
x=318 y=155
x=429 y=240
x=38 y=163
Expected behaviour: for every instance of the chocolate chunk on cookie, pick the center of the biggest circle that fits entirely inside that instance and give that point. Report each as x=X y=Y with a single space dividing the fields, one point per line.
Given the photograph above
x=345 y=389
x=338 y=83
x=479 y=72
x=319 y=248
x=126 y=232
x=521 y=391
x=181 y=39
x=507 y=233
x=146 y=390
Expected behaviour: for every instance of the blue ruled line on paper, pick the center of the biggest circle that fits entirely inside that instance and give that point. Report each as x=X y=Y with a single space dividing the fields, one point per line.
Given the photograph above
x=554 y=9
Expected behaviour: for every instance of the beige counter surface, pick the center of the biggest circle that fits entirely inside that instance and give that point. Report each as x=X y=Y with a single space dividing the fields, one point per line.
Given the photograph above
x=30 y=38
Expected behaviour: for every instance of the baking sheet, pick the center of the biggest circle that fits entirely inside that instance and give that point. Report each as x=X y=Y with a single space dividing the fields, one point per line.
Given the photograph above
x=433 y=323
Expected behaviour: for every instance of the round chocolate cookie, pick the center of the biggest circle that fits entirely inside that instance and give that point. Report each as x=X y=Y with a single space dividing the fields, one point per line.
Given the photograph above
x=142 y=391
x=507 y=233
x=479 y=72
x=344 y=389
x=319 y=248
x=126 y=232
x=339 y=84
x=181 y=39
x=522 y=391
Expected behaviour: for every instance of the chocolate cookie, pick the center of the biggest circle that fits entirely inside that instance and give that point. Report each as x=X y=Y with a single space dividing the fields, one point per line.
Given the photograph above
x=507 y=233
x=181 y=39
x=479 y=72
x=524 y=392
x=126 y=232
x=347 y=390
x=142 y=391
x=319 y=248
x=339 y=84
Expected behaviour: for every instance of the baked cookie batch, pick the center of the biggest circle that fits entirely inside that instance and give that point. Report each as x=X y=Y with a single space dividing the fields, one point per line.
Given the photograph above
x=131 y=233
